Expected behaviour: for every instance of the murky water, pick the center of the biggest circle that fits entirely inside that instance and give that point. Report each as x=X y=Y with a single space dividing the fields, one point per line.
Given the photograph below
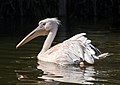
x=20 y=66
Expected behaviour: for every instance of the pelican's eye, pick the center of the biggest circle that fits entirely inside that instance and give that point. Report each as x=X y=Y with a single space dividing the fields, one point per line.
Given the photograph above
x=44 y=23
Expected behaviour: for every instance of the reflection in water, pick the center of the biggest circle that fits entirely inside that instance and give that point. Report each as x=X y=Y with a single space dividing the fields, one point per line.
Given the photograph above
x=68 y=73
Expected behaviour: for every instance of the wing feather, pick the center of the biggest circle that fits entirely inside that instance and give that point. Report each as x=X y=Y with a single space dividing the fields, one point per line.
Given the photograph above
x=84 y=49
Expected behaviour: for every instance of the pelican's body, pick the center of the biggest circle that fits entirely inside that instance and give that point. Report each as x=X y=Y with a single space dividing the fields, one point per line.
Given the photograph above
x=72 y=51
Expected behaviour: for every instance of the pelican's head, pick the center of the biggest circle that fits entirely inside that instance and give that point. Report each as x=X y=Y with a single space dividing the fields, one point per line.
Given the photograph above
x=44 y=27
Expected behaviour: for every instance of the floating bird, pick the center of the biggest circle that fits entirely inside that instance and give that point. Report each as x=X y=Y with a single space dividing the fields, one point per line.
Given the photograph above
x=75 y=50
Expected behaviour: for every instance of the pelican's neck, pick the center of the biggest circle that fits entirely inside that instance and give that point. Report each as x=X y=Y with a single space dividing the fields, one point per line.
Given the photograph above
x=49 y=40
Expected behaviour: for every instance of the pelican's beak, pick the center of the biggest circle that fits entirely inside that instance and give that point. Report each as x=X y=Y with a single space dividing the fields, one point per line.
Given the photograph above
x=35 y=33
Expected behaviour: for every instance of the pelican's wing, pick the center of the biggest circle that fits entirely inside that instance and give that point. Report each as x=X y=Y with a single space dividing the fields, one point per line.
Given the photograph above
x=82 y=48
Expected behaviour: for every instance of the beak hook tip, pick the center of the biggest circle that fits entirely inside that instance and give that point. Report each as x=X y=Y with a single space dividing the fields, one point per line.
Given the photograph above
x=17 y=47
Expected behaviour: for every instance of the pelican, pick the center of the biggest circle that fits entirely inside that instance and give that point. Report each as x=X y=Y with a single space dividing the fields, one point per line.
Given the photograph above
x=75 y=50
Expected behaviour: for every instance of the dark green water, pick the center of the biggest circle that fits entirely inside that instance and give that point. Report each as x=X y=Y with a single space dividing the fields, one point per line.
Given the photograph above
x=20 y=66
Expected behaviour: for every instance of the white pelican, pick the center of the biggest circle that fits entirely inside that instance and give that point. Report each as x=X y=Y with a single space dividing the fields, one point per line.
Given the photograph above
x=76 y=50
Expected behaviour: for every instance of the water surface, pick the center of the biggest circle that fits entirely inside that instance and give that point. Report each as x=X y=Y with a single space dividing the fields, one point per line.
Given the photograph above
x=21 y=67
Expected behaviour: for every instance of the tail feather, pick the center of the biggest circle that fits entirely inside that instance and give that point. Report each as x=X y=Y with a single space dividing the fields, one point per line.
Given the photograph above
x=104 y=55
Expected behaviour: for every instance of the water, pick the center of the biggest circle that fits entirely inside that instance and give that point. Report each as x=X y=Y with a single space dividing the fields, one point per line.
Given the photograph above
x=21 y=67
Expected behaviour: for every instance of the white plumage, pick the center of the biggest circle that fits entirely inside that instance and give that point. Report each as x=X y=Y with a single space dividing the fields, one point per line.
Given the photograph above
x=75 y=50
